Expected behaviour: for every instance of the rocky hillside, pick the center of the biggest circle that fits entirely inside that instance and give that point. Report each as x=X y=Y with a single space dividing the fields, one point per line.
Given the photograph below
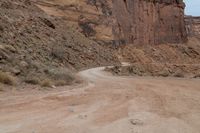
x=48 y=38
x=33 y=44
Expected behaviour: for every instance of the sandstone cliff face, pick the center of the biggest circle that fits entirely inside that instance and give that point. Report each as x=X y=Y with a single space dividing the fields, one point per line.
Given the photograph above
x=149 y=21
x=123 y=21
x=91 y=17
x=193 y=26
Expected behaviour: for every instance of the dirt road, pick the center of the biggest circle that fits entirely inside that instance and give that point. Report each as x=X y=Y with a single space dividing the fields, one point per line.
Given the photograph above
x=107 y=104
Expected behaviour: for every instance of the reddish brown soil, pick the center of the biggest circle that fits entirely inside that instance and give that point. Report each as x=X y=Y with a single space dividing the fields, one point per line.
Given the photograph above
x=107 y=104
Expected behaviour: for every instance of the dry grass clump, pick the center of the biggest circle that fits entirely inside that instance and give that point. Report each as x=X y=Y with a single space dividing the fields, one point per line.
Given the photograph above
x=7 y=79
x=164 y=73
x=46 y=83
x=52 y=77
x=60 y=83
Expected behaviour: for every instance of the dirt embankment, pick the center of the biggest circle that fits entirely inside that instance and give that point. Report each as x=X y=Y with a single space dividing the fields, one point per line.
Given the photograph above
x=36 y=45
x=179 y=60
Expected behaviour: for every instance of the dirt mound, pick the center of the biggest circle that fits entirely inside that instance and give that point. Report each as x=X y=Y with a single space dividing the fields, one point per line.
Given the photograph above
x=32 y=43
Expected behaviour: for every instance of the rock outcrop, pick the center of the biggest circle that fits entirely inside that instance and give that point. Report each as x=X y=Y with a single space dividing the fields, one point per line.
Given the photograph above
x=123 y=21
x=149 y=21
x=192 y=26
x=91 y=17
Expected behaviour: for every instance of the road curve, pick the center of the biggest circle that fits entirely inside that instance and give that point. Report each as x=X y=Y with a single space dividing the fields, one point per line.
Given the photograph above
x=107 y=104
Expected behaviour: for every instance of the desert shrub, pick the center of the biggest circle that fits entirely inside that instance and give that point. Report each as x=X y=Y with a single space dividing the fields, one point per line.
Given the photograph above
x=179 y=74
x=164 y=73
x=60 y=76
x=6 y=78
x=46 y=83
x=60 y=83
x=197 y=76
x=131 y=69
x=135 y=70
x=117 y=69
x=33 y=81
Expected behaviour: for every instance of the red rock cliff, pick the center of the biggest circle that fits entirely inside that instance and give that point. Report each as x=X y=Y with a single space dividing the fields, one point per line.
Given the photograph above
x=149 y=21
x=123 y=21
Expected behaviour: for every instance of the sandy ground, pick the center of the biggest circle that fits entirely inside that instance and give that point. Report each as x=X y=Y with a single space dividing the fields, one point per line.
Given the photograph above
x=107 y=104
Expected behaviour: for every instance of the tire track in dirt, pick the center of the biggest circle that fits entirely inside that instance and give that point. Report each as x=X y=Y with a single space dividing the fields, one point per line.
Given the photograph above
x=107 y=104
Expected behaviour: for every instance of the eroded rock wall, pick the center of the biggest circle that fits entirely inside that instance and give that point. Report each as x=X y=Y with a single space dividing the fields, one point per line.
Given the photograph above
x=123 y=21
x=149 y=21
x=93 y=18
x=193 y=26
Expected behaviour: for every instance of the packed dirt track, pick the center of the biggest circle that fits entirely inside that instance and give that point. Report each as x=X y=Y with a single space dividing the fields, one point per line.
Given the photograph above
x=105 y=104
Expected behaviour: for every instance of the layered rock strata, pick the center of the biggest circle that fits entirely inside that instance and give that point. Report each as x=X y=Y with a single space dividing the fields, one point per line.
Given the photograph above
x=193 y=26
x=123 y=21
x=149 y=21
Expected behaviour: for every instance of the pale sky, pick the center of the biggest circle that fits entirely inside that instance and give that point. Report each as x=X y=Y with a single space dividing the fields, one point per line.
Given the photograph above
x=192 y=7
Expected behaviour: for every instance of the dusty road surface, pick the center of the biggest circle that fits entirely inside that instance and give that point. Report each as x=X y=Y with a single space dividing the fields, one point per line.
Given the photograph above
x=107 y=104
